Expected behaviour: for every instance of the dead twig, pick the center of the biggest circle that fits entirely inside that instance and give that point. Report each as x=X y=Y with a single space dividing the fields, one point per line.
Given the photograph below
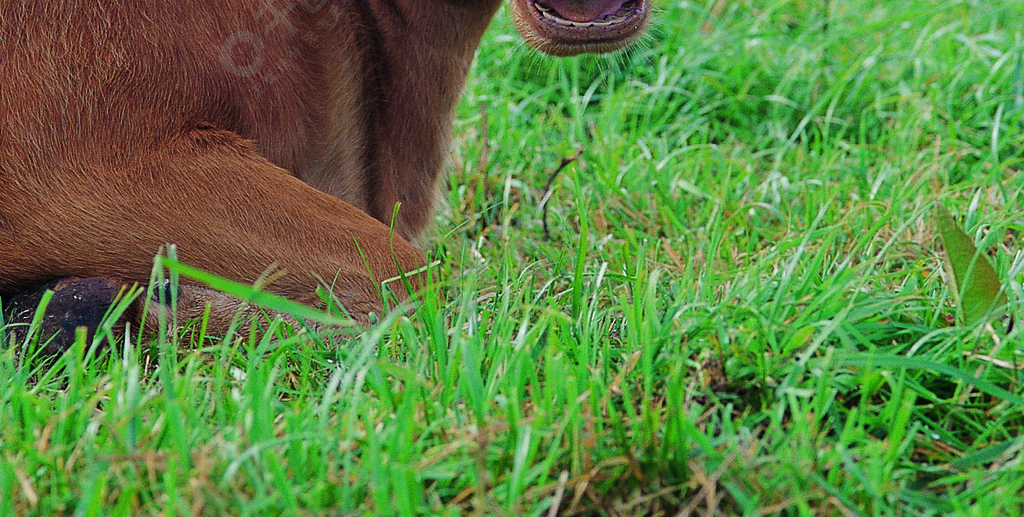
x=482 y=167
x=546 y=194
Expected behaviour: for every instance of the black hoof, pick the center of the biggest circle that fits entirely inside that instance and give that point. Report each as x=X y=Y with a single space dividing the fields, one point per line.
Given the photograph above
x=76 y=302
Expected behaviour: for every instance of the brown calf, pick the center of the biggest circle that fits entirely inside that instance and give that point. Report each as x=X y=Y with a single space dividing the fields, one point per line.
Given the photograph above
x=250 y=133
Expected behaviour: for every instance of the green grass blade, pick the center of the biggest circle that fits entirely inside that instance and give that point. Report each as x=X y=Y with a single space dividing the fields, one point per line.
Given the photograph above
x=253 y=295
x=915 y=363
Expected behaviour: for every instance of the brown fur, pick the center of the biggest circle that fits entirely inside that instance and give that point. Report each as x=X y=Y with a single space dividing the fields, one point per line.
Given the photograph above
x=250 y=133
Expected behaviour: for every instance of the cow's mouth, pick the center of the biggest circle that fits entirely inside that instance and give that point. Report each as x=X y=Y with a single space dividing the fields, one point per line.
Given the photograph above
x=568 y=27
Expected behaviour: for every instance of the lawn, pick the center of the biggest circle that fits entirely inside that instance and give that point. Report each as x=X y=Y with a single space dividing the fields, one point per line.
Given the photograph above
x=732 y=301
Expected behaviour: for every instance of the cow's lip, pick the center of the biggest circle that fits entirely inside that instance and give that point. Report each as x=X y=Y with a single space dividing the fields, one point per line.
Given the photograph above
x=617 y=13
x=620 y=23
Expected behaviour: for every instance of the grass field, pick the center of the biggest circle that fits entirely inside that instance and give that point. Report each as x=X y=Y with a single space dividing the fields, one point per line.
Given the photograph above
x=732 y=302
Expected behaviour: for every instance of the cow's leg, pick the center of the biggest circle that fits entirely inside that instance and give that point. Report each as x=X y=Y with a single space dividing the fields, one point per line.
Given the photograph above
x=76 y=302
x=87 y=302
x=228 y=210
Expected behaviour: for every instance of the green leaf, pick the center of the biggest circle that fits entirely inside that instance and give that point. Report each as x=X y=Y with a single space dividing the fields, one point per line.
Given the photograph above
x=973 y=281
